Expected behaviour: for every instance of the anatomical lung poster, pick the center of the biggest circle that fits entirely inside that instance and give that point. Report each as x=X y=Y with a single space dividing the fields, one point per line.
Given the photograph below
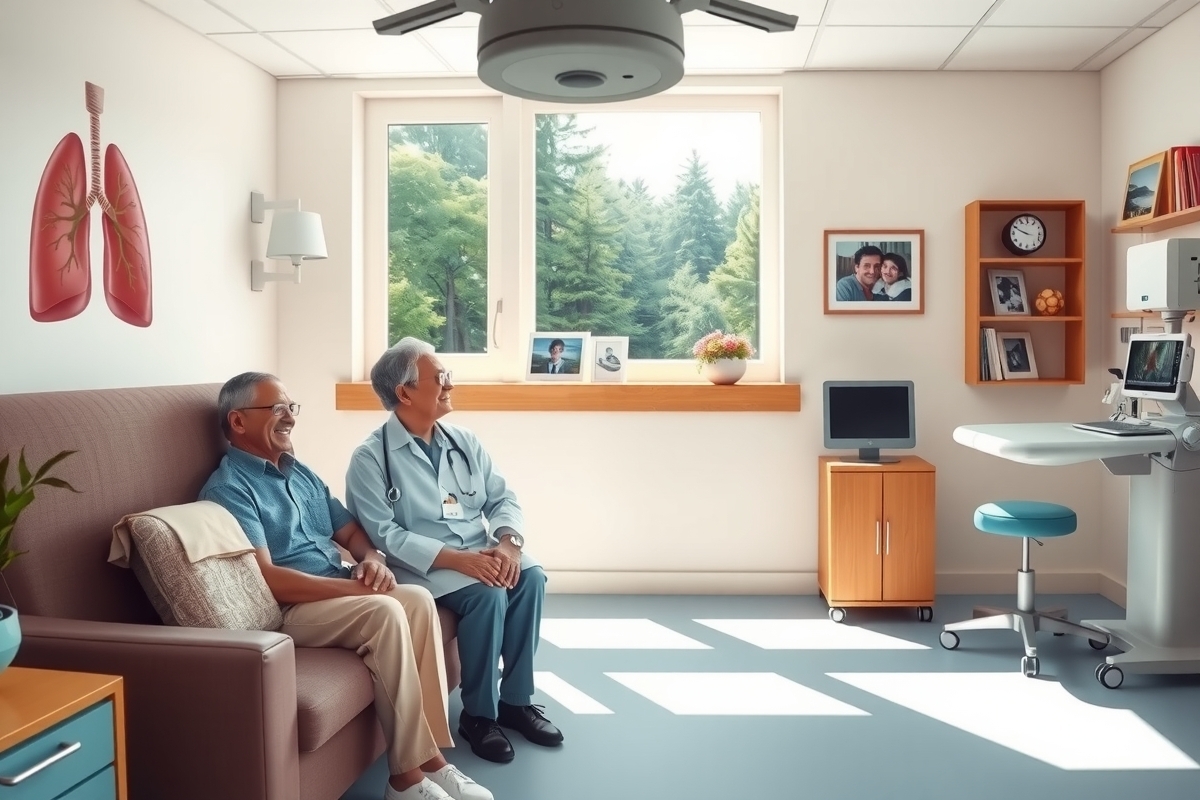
x=60 y=275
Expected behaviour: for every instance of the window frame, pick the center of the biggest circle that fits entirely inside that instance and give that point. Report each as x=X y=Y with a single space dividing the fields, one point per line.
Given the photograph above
x=512 y=216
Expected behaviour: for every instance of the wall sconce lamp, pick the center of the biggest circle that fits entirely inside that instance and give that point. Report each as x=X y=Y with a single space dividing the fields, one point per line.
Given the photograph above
x=295 y=236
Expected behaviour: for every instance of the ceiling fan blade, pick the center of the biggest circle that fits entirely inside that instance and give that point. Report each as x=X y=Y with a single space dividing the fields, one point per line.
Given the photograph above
x=765 y=19
x=419 y=17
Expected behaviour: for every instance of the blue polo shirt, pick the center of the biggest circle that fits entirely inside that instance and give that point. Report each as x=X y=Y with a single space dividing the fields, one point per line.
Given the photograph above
x=287 y=510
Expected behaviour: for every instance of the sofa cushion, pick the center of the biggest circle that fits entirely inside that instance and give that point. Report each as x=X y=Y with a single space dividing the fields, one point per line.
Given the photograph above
x=218 y=592
x=332 y=687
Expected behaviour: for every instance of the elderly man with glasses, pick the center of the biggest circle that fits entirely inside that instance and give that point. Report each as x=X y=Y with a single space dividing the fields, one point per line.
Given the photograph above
x=293 y=522
x=423 y=489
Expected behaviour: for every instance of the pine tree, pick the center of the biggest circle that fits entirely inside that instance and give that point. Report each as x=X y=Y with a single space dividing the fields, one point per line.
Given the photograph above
x=736 y=280
x=695 y=234
x=690 y=310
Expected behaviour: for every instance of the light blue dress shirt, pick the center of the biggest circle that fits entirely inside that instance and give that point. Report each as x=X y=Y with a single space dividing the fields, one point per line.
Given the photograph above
x=411 y=531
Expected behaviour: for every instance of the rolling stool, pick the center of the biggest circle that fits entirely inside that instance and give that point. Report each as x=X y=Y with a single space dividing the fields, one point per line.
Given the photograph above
x=1027 y=519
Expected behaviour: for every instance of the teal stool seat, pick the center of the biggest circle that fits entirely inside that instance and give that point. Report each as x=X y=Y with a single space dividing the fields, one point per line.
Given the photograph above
x=1025 y=518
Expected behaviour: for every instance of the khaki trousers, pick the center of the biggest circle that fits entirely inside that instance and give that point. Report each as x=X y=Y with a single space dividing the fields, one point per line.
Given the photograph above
x=399 y=638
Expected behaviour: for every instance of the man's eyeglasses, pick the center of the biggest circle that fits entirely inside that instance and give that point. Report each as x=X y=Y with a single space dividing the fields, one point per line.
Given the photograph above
x=278 y=409
x=444 y=378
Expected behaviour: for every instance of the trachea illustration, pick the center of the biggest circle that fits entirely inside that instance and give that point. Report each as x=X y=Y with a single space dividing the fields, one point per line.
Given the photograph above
x=60 y=277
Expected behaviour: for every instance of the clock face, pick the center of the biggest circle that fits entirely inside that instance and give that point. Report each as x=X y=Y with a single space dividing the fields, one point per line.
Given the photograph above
x=1025 y=234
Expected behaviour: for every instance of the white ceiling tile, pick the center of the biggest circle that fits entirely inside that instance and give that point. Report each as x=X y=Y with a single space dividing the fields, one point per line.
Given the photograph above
x=1171 y=12
x=362 y=52
x=458 y=46
x=808 y=12
x=1119 y=48
x=885 y=48
x=1031 y=48
x=265 y=54
x=198 y=15
x=1073 y=13
x=910 y=12
x=738 y=47
x=304 y=15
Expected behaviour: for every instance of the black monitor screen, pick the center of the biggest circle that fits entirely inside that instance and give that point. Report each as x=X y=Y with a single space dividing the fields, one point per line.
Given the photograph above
x=869 y=412
x=1153 y=365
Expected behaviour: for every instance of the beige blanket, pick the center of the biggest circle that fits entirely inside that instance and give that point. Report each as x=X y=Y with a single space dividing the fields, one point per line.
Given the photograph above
x=205 y=530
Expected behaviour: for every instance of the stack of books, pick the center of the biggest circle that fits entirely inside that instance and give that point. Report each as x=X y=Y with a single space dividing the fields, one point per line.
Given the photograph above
x=1181 y=186
x=989 y=356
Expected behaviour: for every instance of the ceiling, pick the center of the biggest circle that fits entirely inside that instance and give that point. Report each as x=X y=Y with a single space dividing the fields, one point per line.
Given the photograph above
x=334 y=38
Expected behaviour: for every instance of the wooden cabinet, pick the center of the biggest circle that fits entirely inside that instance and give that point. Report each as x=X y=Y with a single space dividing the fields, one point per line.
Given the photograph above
x=876 y=542
x=62 y=735
x=1059 y=342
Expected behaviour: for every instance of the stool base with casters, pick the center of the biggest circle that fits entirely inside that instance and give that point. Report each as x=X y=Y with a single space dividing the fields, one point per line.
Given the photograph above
x=1045 y=519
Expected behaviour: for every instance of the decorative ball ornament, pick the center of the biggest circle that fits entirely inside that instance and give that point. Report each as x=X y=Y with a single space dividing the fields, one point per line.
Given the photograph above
x=1049 y=302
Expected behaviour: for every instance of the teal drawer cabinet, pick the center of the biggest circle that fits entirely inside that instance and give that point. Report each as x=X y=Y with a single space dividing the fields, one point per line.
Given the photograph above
x=61 y=736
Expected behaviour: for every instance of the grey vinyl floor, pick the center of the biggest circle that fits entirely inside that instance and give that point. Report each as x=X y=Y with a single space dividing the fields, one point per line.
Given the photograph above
x=878 y=710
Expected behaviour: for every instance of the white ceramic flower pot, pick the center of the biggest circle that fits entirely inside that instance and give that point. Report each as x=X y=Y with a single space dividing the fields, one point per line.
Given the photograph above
x=724 y=371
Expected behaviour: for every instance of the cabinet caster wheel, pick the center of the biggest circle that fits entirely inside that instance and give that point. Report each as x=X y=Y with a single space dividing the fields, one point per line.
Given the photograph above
x=949 y=639
x=837 y=614
x=1060 y=634
x=925 y=613
x=1031 y=666
x=1110 y=676
x=1098 y=645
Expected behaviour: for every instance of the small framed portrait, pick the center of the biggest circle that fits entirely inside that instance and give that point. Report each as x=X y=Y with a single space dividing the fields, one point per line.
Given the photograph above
x=610 y=359
x=1016 y=355
x=557 y=356
x=1143 y=198
x=1009 y=296
x=875 y=272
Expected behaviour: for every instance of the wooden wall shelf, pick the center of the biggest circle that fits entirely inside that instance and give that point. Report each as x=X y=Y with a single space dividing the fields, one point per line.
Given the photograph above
x=597 y=397
x=1173 y=220
x=1059 y=342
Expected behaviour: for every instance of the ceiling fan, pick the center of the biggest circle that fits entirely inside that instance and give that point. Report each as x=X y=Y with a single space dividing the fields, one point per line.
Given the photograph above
x=581 y=51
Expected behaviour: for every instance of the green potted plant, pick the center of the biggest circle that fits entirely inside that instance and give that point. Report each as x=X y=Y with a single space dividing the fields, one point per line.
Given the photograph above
x=13 y=501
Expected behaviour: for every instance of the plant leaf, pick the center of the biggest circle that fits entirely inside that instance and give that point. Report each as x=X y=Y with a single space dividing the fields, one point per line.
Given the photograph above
x=3 y=471
x=23 y=470
x=59 y=483
x=42 y=470
x=18 y=505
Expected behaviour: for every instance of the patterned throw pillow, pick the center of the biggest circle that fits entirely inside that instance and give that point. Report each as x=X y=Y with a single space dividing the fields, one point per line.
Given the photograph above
x=218 y=592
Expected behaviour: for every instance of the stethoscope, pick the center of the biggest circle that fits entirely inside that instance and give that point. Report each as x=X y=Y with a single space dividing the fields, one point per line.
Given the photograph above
x=393 y=494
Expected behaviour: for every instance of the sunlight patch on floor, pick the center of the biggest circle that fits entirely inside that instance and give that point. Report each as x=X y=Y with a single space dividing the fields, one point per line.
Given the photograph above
x=1034 y=716
x=615 y=634
x=566 y=695
x=732 y=693
x=807 y=634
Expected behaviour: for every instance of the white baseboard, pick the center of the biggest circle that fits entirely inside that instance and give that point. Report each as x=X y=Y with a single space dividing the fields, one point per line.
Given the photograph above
x=798 y=583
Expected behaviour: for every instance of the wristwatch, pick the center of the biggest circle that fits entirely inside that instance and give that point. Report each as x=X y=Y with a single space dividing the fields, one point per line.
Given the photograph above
x=517 y=538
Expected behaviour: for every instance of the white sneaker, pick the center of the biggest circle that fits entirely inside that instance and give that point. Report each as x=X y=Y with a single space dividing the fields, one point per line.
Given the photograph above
x=425 y=790
x=457 y=785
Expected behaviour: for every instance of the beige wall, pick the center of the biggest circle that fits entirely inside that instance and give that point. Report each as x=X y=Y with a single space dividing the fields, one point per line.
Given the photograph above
x=197 y=127
x=685 y=507
x=1150 y=101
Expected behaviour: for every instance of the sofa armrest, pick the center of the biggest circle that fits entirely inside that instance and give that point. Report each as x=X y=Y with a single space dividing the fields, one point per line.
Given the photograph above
x=208 y=713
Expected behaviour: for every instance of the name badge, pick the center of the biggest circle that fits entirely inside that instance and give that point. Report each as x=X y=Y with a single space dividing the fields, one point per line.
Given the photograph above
x=451 y=508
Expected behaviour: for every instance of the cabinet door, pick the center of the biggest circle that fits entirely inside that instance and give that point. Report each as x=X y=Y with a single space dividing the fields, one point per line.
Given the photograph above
x=909 y=541
x=855 y=534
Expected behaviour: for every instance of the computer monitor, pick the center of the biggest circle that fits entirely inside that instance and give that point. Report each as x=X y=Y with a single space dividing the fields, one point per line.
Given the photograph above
x=870 y=415
x=1158 y=366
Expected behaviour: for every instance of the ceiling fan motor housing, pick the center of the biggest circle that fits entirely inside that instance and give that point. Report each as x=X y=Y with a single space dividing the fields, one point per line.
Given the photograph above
x=580 y=51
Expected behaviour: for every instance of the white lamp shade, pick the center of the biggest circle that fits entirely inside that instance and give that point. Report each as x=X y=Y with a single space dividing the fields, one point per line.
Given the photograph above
x=296 y=235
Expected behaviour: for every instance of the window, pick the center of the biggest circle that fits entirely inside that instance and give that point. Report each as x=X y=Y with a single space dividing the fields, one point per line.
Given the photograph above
x=656 y=220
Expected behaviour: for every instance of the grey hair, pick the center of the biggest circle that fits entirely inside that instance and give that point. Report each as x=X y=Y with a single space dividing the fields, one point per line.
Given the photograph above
x=398 y=365
x=237 y=393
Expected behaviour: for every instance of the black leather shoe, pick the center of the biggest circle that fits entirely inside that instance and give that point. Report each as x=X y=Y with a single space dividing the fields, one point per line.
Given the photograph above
x=486 y=739
x=531 y=723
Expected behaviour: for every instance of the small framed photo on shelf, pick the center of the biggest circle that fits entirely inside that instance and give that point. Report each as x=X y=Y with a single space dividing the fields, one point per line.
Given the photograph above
x=1143 y=195
x=1016 y=356
x=875 y=272
x=610 y=359
x=1009 y=295
x=557 y=356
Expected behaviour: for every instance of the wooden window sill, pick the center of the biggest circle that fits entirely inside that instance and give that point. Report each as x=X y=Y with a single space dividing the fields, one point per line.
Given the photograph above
x=597 y=397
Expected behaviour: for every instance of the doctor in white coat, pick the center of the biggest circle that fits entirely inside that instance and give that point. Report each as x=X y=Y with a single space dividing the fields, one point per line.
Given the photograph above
x=429 y=498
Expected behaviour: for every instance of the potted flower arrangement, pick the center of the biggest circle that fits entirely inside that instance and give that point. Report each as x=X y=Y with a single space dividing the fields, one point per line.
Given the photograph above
x=722 y=356
x=13 y=501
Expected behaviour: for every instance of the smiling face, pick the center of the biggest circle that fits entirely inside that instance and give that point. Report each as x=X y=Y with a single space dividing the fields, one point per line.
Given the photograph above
x=867 y=270
x=556 y=353
x=425 y=401
x=257 y=430
x=891 y=272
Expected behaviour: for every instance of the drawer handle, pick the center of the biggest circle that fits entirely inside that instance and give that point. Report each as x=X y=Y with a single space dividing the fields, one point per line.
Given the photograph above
x=64 y=750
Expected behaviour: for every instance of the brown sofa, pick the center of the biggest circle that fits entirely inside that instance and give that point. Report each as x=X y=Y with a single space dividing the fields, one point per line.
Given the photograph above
x=236 y=715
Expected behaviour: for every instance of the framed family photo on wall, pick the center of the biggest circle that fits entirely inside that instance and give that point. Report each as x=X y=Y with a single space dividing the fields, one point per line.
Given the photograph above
x=1142 y=187
x=1009 y=296
x=610 y=359
x=556 y=356
x=874 y=272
